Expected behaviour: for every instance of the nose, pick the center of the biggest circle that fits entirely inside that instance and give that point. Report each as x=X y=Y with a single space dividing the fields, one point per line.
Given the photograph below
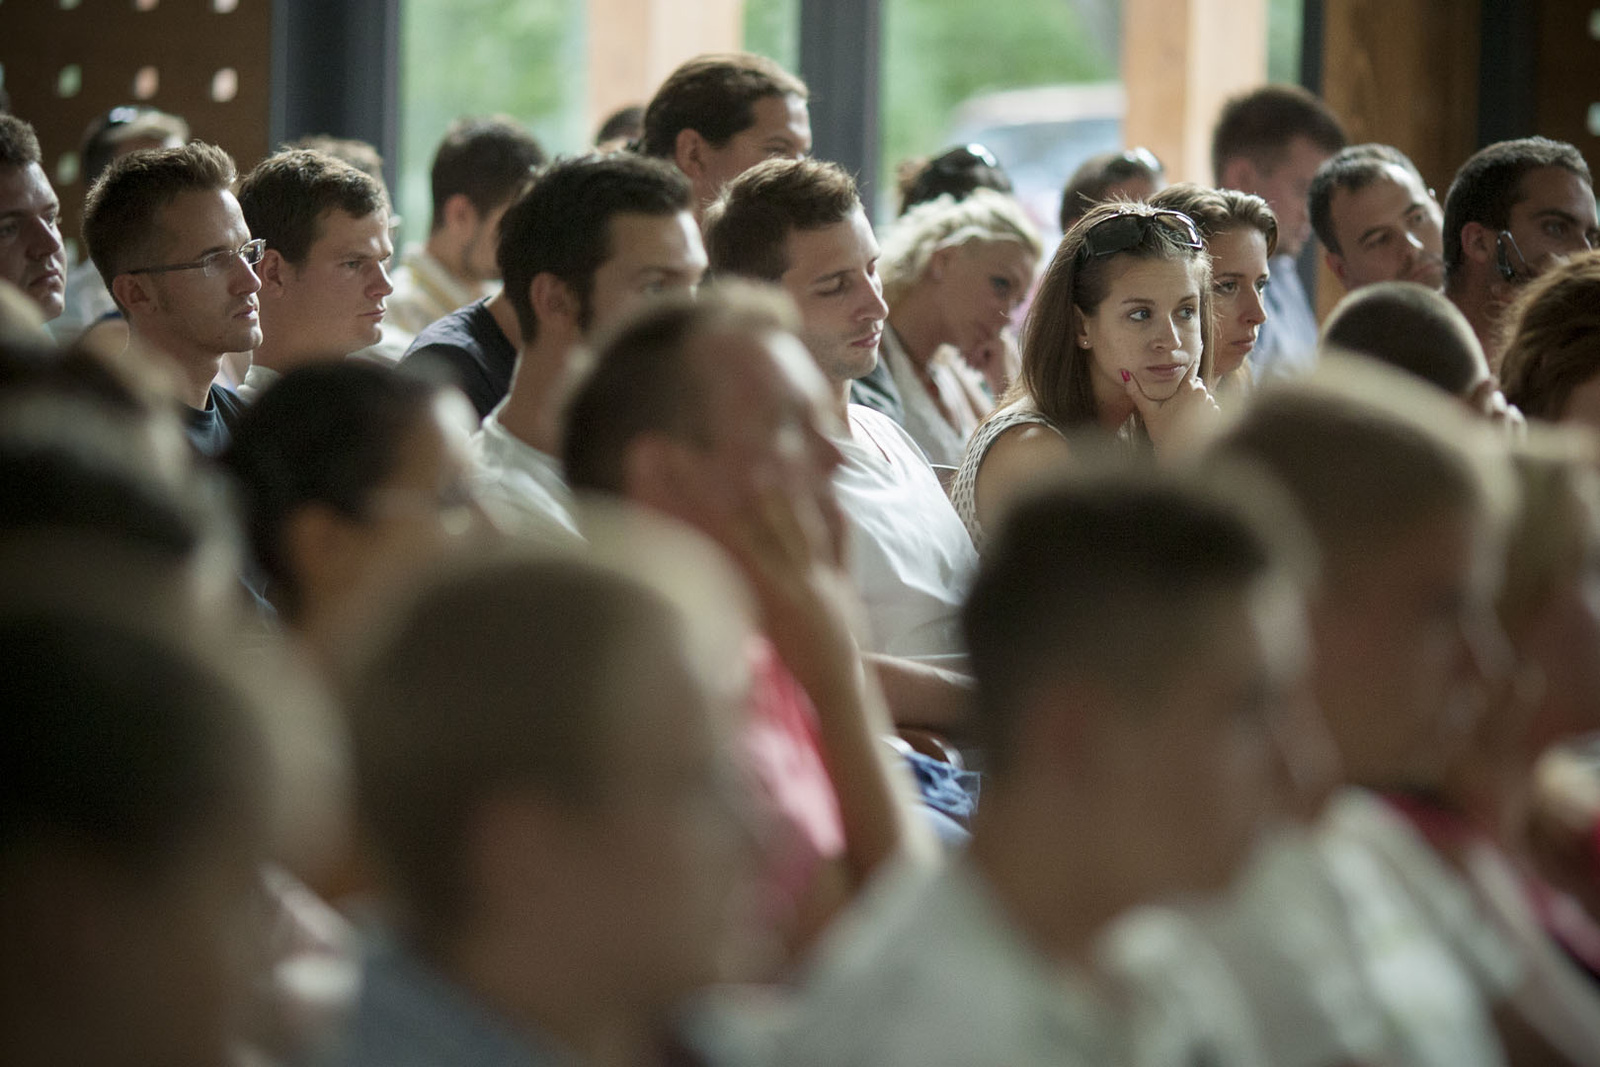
x=1255 y=312
x=1168 y=340
x=47 y=241
x=873 y=309
x=245 y=281
x=385 y=284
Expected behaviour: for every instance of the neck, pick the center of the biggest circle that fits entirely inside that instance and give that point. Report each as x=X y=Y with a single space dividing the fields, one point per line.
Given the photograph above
x=1060 y=912
x=917 y=327
x=1475 y=300
x=550 y=1005
x=449 y=256
x=841 y=403
x=532 y=411
x=280 y=351
x=194 y=370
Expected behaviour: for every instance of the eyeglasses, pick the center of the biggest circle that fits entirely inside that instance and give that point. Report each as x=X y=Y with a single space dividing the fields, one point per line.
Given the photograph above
x=217 y=262
x=1129 y=229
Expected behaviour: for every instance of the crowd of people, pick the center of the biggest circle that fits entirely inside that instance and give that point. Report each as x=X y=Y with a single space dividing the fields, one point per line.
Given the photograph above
x=657 y=622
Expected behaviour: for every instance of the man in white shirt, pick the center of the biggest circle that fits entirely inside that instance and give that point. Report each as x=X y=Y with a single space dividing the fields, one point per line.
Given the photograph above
x=323 y=274
x=800 y=224
x=1131 y=706
x=592 y=237
x=1270 y=142
x=478 y=170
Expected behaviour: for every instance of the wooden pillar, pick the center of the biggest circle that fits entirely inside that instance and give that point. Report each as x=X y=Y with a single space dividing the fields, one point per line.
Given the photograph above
x=1180 y=60
x=635 y=44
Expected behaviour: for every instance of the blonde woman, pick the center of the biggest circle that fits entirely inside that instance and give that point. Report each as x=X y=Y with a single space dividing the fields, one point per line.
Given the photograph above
x=953 y=274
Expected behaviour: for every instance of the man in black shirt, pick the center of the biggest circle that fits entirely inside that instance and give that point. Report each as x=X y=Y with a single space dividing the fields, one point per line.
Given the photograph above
x=166 y=233
x=473 y=348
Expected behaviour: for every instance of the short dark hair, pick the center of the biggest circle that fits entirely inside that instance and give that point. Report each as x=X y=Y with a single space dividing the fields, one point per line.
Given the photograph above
x=714 y=95
x=1489 y=185
x=286 y=196
x=1259 y=125
x=626 y=123
x=513 y=673
x=955 y=172
x=19 y=145
x=1150 y=555
x=1096 y=175
x=562 y=224
x=645 y=381
x=487 y=160
x=119 y=217
x=118 y=740
x=1352 y=169
x=362 y=155
x=329 y=434
x=119 y=126
x=747 y=227
x=1412 y=328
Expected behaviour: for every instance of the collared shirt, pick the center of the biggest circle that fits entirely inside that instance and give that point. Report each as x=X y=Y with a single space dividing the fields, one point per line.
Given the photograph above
x=1286 y=345
x=522 y=488
x=927 y=969
x=409 y=1015
x=910 y=556
x=424 y=291
x=960 y=387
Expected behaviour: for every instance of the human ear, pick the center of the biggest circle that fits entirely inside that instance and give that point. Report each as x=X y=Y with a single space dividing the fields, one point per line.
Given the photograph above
x=555 y=305
x=133 y=291
x=271 y=271
x=460 y=216
x=1478 y=243
x=939 y=262
x=1337 y=265
x=690 y=152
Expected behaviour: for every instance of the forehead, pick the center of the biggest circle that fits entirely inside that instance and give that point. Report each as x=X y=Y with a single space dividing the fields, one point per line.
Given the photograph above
x=25 y=188
x=1301 y=159
x=1554 y=187
x=778 y=114
x=1173 y=277
x=337 y=226
x=636 y=238
x=839 y=246
x=1005 y=255
x=1237 y=249
x=1393 y=187
x=199 y=220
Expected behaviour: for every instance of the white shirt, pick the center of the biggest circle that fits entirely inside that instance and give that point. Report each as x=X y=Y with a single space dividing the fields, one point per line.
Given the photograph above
x=959 y=385
x=425 y=291
x=523 y=489
x=255 y=382
x=1286 y=345
x=1344 y=962
x=927 y=971
x=910 y=556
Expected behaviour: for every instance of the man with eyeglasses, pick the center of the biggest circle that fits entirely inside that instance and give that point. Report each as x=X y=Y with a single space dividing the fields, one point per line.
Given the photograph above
x=31 y=255
x=323 y=276
x=1513 y=209
x=168 y=236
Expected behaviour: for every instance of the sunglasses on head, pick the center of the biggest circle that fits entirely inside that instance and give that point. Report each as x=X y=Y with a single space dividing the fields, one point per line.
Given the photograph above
x=963 y=158
x=1129 y=229
x=1134 y=161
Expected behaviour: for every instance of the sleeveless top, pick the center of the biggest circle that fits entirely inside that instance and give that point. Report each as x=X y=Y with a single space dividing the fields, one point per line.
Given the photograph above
x=964 y=490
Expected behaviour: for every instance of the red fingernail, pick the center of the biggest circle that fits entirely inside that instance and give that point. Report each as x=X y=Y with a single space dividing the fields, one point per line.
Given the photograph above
x=1126 y=376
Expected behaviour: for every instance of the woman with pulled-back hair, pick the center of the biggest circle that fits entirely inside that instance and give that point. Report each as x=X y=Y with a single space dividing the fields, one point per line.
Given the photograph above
x=1118 y=340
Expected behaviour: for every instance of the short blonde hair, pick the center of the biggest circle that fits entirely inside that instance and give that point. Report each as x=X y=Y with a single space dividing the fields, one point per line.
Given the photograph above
x=1559 y=504
x=945 y=222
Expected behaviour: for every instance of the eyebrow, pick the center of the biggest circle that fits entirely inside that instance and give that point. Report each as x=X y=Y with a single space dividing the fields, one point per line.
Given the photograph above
x=1558 y=213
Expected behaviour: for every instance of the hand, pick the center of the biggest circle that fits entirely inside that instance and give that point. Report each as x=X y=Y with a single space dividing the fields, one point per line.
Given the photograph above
x=998 y=360
x=1170 y=420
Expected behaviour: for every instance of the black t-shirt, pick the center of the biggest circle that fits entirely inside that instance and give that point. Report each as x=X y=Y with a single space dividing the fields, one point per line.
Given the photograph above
x=211 y=430
x=470 y=350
